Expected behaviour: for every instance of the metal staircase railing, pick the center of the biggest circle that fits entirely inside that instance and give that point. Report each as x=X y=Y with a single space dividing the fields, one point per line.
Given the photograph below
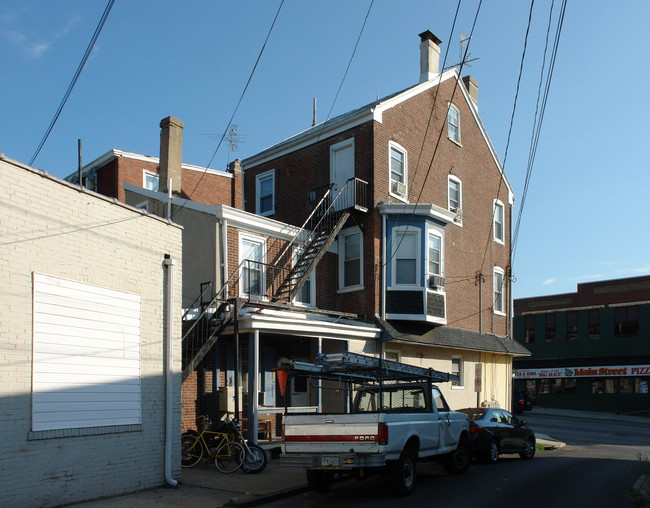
x=278 y=281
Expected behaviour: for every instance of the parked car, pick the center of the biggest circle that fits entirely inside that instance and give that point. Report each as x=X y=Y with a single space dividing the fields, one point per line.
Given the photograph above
x=521 y=402
x=494 y=432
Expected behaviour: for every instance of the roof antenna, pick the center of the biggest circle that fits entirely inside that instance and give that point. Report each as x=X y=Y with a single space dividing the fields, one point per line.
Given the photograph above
x=313 y=123
x=464 y=41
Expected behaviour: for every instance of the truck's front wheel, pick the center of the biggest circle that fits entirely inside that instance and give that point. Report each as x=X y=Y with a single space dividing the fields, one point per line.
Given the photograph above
x=318 y=480
x=402 y=473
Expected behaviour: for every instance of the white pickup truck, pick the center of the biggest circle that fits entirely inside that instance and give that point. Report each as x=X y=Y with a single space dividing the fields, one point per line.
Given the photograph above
x=395 y=417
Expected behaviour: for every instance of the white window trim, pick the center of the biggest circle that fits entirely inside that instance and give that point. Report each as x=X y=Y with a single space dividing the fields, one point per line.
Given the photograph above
x=396 y=235
x=496 y=203
x=457 y=141
x=341 y=246
x=459 y=211
x=258 y=187
x=394 y=146
x=461 y=373
x=145 y=174
x=312 y=287
x=262 y=241
x=393 y=351
x=441 y=236
x=503 y=285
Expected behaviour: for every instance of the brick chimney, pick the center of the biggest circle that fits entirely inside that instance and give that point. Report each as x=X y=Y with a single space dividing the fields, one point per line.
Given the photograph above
x=171 y=153
x=472 y=88
x=429 y=56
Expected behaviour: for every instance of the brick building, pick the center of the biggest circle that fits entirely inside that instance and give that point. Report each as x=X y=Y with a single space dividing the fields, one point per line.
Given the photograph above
x=590 y=349
x=426 y=256
x=90 y=312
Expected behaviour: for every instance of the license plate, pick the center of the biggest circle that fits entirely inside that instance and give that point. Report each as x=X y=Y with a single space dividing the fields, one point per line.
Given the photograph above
x=329 y=461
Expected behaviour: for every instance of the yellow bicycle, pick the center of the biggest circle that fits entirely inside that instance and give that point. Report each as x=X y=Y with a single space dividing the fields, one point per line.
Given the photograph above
x=228 y=455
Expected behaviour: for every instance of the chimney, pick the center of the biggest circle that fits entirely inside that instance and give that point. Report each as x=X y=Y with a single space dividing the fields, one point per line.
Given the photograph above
x=429 y=56
x=171 y=153
x=472 y=88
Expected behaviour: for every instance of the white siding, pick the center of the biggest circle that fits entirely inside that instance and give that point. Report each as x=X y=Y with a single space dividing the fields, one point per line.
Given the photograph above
x=86 y=357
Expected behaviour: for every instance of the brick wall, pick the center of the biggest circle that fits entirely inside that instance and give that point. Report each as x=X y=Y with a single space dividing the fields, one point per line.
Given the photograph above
x=53 y=228
x=469 y=250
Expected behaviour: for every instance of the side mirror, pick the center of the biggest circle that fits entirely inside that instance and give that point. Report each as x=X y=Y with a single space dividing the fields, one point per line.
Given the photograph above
x=522 y=423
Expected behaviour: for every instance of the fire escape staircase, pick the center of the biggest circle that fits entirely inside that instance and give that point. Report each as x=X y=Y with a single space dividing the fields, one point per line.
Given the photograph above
x=280 y=283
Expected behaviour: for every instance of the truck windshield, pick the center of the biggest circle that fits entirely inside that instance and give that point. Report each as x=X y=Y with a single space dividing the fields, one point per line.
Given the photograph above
x=392 y=399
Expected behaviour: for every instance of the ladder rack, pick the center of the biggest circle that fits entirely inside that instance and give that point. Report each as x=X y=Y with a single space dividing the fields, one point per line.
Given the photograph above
x=354 y=366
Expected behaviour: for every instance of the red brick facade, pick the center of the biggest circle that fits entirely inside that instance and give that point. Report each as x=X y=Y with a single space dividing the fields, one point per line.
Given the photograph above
x=470 y=249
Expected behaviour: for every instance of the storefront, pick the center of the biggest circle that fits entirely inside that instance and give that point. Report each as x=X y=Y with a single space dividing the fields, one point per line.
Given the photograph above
x=610 y=388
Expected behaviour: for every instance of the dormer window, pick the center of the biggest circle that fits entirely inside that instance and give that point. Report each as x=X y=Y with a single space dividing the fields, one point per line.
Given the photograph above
x=398 y=175
x=453 y=123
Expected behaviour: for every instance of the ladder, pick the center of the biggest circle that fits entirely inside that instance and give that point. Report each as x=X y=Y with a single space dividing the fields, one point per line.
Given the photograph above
x=355 y=366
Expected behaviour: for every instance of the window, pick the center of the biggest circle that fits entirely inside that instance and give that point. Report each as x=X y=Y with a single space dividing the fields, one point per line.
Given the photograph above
x=150 y=181
x=530 y=329
x=350 y=260
x=398 y=175
x=499 y=307
x=453 y=123
x=405 y=248
x=265 y=192
x=594 y=324
x=457 y=369
x=252 y=281
x=549 y=327
x=86 y=361
x=307 y=293
x=572 y=325
x=455 y=202
x=435 y=259
x=498 y=222
x=626 y=321
x=392 y=356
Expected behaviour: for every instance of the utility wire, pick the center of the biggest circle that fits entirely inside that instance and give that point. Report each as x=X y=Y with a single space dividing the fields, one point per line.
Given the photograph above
x=241 y=97
x=538 y=127
x=72 y=84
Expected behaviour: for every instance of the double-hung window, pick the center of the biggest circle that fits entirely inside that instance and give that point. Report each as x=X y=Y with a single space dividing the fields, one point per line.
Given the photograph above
x=457 y=369
x=405 y=248
x=150 y=181
x=350 y=259
x=307 y=293
x=435 y=261
x=398 y=175
x=251 y=255
x=453 y=123
x=265 y=191
x=455 y=197
x=499 y=305
x=499 y=222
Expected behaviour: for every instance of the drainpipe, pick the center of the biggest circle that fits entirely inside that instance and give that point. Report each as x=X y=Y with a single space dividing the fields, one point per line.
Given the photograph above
x=169 y=369
x=383 y=267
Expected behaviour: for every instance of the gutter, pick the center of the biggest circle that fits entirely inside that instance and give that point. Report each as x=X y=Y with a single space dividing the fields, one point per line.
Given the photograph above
x=169 y=368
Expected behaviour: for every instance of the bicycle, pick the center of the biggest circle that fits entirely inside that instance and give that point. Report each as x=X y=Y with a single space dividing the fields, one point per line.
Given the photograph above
x=254 y=456
x=228 y=455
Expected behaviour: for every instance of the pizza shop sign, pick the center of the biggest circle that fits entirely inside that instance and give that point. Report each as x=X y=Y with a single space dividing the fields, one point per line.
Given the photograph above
x=616 y=371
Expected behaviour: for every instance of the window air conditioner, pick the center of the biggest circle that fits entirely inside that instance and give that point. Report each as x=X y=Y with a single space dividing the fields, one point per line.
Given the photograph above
x=436 y=282
x=398 y=188
x=459 y=215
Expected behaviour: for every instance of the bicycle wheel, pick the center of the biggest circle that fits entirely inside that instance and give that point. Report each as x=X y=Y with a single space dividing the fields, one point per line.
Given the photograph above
x=229 y=457
x=255 y=461
x=191 y=450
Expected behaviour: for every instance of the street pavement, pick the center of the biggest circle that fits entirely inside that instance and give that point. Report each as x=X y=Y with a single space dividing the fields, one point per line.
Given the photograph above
x=204 y=486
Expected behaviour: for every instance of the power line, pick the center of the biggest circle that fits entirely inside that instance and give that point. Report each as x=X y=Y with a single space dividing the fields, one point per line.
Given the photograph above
x=89 y=49
x=241 y=97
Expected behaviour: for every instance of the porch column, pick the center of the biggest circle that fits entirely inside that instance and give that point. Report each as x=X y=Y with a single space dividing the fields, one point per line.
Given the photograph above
x=253 y=383
x=320 y=381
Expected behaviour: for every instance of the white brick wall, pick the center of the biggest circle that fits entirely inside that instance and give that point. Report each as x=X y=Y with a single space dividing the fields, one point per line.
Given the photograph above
x=50 y=227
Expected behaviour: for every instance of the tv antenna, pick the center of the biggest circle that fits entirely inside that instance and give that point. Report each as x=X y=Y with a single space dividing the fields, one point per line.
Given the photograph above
x=464 y=42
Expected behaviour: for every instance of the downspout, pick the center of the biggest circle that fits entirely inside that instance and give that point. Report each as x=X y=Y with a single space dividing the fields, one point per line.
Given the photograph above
x=383 y=267
x=169 y=369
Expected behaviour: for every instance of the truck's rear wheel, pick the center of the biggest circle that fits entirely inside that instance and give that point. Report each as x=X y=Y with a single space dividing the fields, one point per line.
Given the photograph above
x=318 y=480
x=402 y=473
x=458 y=461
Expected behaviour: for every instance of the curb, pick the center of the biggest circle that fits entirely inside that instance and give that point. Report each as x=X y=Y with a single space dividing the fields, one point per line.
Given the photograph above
x=281 y=494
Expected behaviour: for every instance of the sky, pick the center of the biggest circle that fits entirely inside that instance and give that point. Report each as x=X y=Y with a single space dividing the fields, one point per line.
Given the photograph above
x=586 y=210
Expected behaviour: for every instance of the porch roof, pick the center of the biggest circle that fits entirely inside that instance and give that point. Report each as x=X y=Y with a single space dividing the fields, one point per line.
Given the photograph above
x=412 y=332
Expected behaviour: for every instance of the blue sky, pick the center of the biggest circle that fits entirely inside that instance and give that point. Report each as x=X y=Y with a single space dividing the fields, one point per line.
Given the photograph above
x=586 y=211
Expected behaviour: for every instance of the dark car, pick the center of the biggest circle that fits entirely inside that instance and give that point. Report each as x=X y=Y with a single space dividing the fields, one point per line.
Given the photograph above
x=521 y=402
x=494 y=432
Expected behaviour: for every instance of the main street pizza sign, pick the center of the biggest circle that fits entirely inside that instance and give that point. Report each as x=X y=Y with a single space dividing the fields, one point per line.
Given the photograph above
x=573 y=372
